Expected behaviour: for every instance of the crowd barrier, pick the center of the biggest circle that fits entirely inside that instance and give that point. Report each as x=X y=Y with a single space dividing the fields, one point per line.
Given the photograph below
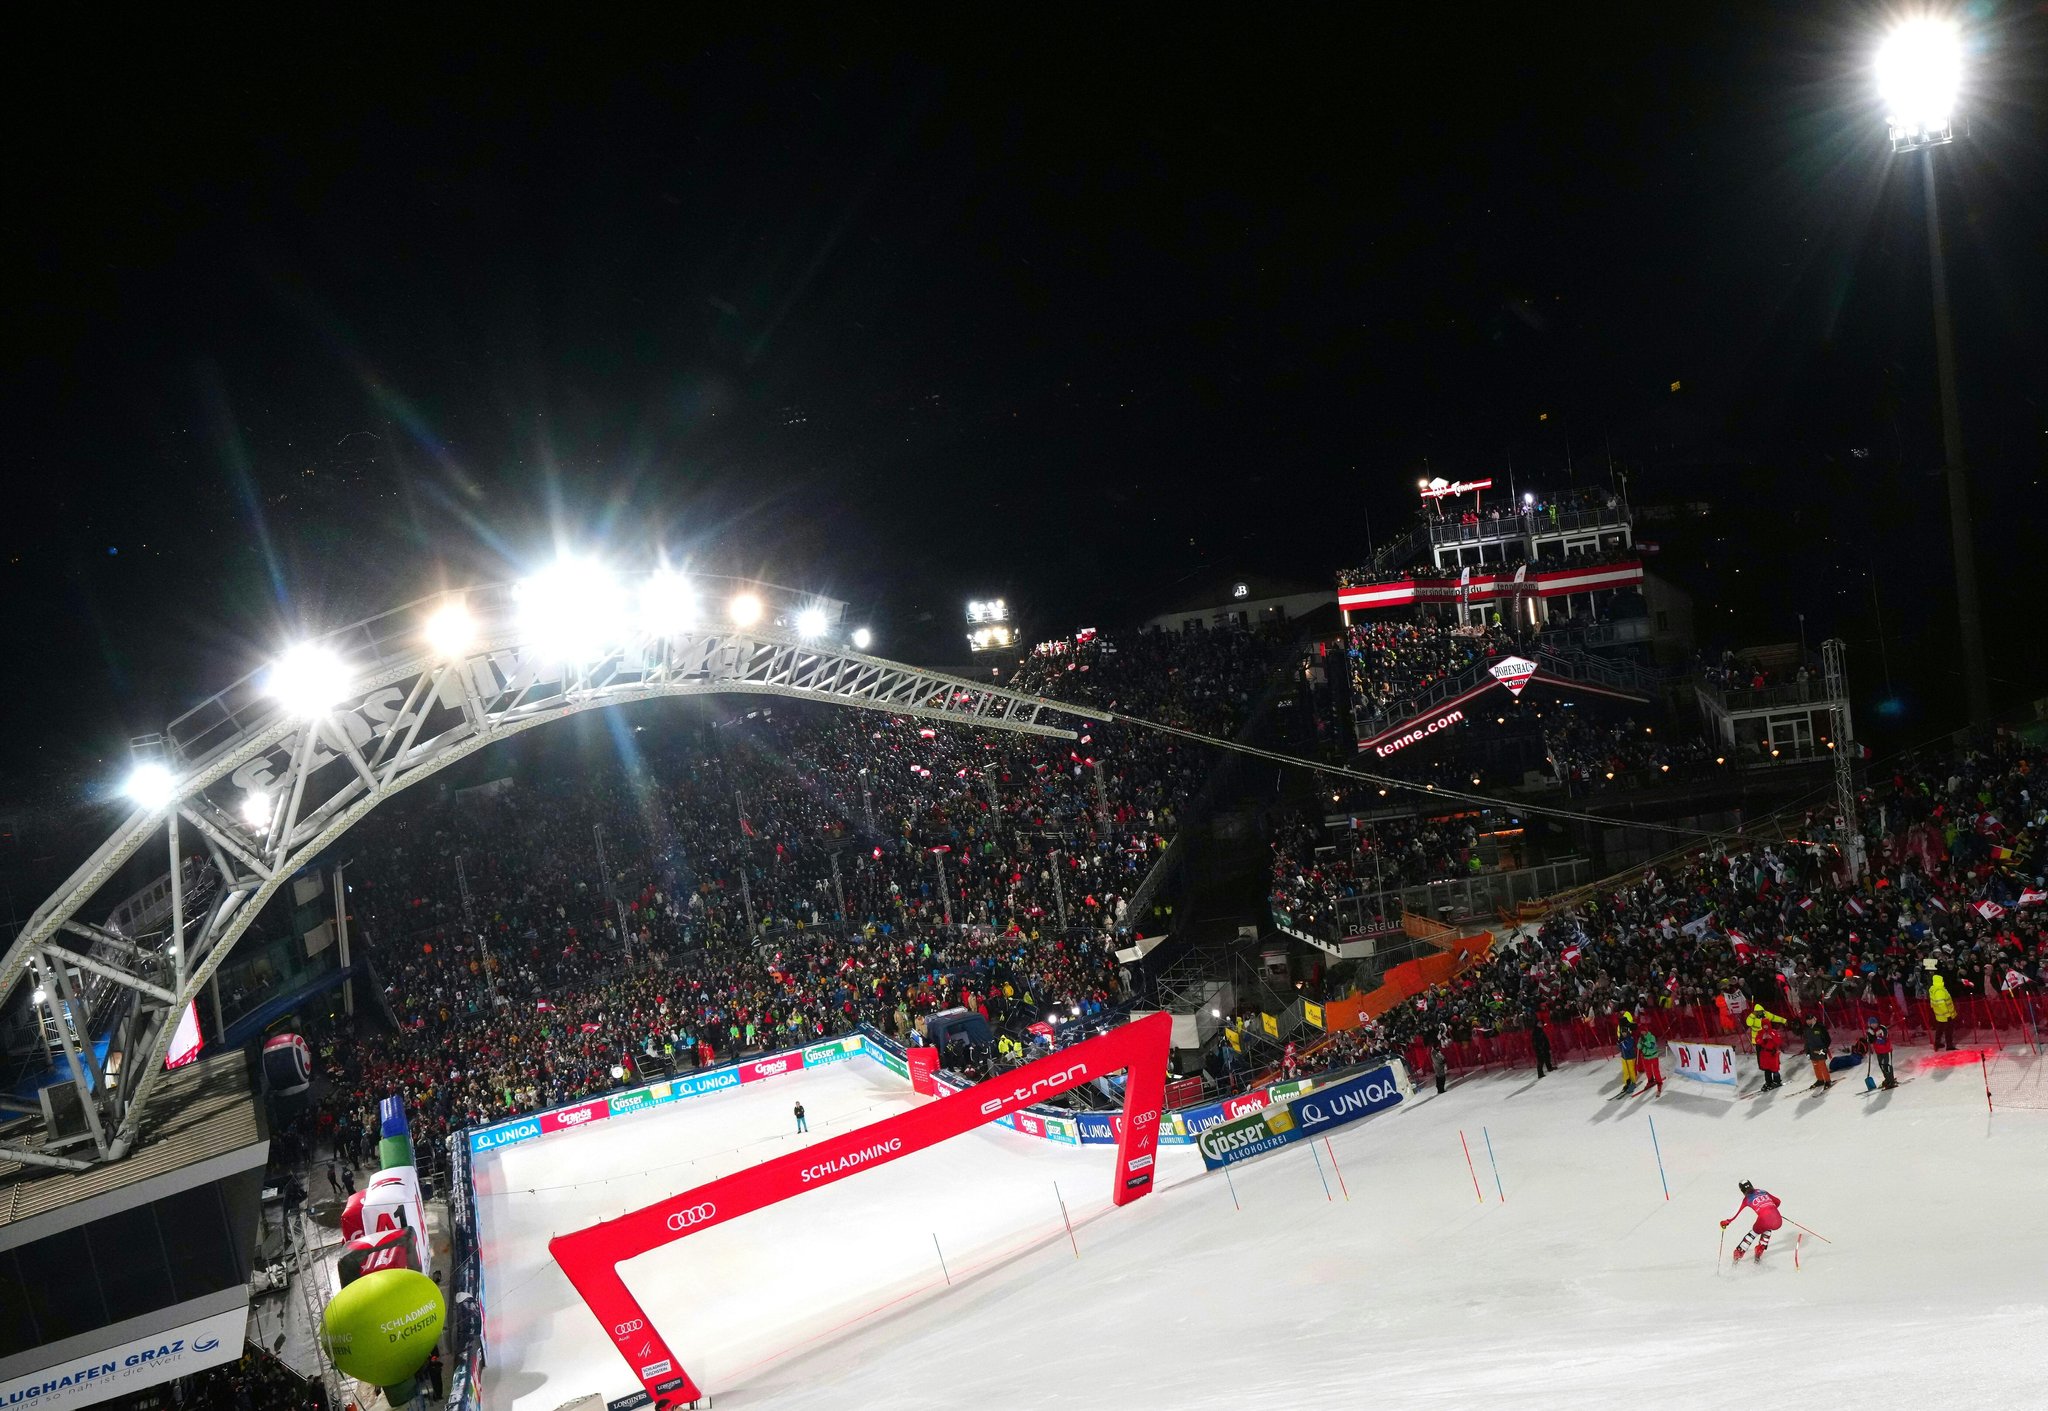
x=1980 y=1022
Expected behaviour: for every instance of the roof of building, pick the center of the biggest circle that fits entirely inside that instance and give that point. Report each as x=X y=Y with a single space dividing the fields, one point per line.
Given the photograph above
x=203 y=1110
x=1219 y=594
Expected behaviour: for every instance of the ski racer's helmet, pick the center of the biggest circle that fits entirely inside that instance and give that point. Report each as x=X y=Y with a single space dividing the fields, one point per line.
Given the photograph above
x=1747 y=1188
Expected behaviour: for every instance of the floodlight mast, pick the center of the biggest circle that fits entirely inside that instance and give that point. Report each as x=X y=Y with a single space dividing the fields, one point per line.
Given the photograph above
x=1919 y=74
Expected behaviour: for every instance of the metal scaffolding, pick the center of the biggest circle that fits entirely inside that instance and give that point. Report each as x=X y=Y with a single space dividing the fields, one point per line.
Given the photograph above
x=258 y=793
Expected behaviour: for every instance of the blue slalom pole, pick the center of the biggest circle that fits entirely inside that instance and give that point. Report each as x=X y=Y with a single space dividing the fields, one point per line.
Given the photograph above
x=1233 y=1187
x=1319 y=1171
x=1496 y=1166
x=1655 y=1145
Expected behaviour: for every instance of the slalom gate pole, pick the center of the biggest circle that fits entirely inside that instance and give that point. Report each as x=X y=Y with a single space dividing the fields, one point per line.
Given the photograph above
x=1338 y=1169
x=1067 y=1218
x=1720 y=1248
x=1476 y=1192
x=942 y=1260
x=1815 y=1233
x=1233 y=1187
x=1496 y=1166
x=1797 y=1240
x=1319 y=1171
x=1659 y=1149
x=1985 y=1069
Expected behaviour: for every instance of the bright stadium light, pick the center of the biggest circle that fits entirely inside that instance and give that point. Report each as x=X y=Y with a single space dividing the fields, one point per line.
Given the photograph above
x=862 y=639
x=1919 y=69
x=572 y=611
x=41 y=996
x=256 y=810
x=309 y=680
x=745 y=609
x=668 y=604
x=450 y=629
x=151 y=785
x=811 y=623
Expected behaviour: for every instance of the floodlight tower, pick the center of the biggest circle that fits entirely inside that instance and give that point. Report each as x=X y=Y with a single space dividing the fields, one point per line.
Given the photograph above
x=1919 y=73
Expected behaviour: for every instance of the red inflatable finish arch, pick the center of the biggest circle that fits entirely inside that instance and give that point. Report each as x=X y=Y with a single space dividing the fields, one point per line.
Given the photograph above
x=591 y=1257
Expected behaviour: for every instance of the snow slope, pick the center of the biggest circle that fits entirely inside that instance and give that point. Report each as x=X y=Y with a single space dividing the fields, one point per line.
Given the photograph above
x=1586 y=1288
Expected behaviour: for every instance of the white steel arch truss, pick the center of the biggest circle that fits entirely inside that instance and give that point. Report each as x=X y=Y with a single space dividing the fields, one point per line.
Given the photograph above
x=409 y=713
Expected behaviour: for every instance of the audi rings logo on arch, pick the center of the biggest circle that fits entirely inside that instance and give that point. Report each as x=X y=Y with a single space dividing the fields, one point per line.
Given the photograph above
x=627 y=1329
x=691 y=1218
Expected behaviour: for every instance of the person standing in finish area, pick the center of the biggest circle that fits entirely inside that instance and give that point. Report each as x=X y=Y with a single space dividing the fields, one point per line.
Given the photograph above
x=1439 y=1065
x=1877 y=1041
x=1539 y=1044
x=1769 y=1045
x=1817 y=1051
x=1652 y=1067
x=1625 y=1042
x=801 y=1124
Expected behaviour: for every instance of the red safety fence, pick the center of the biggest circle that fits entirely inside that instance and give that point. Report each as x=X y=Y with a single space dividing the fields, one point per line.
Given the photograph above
x=1991 y=1022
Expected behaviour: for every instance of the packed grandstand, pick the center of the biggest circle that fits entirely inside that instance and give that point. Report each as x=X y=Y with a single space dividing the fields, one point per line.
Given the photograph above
x=685 y=893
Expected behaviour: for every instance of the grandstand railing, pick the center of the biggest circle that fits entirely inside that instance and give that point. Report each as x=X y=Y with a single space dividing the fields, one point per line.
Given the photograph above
x=1609 y=673
x=1731 y=699
x=1481 y=894
x=1533 y=522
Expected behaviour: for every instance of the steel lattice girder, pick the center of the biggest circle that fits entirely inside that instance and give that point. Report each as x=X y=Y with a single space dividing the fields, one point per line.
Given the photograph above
x=407 y=717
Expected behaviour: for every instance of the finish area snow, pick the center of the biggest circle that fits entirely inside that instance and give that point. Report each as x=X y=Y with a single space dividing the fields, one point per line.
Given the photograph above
x=1585 y=1288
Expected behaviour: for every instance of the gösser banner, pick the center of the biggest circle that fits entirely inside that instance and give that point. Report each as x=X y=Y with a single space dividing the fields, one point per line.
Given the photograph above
x=590 y=1257
x=1705 y=1063
x=1304 y=1116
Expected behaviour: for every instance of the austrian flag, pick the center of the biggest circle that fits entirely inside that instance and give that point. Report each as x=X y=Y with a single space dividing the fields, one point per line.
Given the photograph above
x=1806 y=903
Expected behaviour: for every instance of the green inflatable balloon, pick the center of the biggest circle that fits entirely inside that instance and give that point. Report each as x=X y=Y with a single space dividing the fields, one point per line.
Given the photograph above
x=382 y=1328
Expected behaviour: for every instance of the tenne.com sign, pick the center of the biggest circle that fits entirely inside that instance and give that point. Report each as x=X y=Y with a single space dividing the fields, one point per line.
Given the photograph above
x=1419 y=733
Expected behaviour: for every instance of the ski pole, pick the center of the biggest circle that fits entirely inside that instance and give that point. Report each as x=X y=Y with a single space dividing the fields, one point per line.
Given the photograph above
x=1815 y=1233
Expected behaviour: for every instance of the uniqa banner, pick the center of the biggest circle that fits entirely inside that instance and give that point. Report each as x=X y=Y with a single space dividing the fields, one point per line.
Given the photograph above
x=1704 y=1063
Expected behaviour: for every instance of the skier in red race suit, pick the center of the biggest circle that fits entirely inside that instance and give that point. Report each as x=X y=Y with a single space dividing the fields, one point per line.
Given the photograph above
x=1765 y=1207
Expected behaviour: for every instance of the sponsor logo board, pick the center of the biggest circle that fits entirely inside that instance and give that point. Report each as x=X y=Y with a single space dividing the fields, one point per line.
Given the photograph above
x=580 y=1115
x=1712 y=1064
x=491 y=1138
x=629 y=1101
x=130 y=1366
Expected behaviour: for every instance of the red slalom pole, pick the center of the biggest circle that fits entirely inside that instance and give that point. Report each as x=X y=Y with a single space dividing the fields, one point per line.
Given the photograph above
x=1470 y=1167
x=1338 y=1169
x=1797 y=1240
x=1985 y=1069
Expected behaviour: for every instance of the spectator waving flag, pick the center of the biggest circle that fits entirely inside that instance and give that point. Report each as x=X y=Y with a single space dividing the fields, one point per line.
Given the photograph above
x=2013 y=980
x=1988 y=909
x=1806 y=903
x=1855 y=906
x=1571 y=956
x=2030 y=897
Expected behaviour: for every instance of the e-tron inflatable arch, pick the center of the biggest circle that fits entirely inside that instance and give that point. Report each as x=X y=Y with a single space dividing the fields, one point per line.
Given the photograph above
x=263 y=787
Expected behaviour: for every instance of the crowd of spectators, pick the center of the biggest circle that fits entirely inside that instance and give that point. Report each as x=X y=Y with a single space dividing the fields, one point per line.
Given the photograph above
x=773 y=880
x=1590 y=754
x=1312 y=878
x=1394 y=662
x=1950 y=891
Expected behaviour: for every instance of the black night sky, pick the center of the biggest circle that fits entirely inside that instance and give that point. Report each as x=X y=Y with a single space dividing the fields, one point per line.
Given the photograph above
x=311 y=315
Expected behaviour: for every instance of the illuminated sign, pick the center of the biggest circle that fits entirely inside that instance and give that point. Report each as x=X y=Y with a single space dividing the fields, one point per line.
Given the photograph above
x=1438 y=488
x=1420 y=732
x=1240 y=590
